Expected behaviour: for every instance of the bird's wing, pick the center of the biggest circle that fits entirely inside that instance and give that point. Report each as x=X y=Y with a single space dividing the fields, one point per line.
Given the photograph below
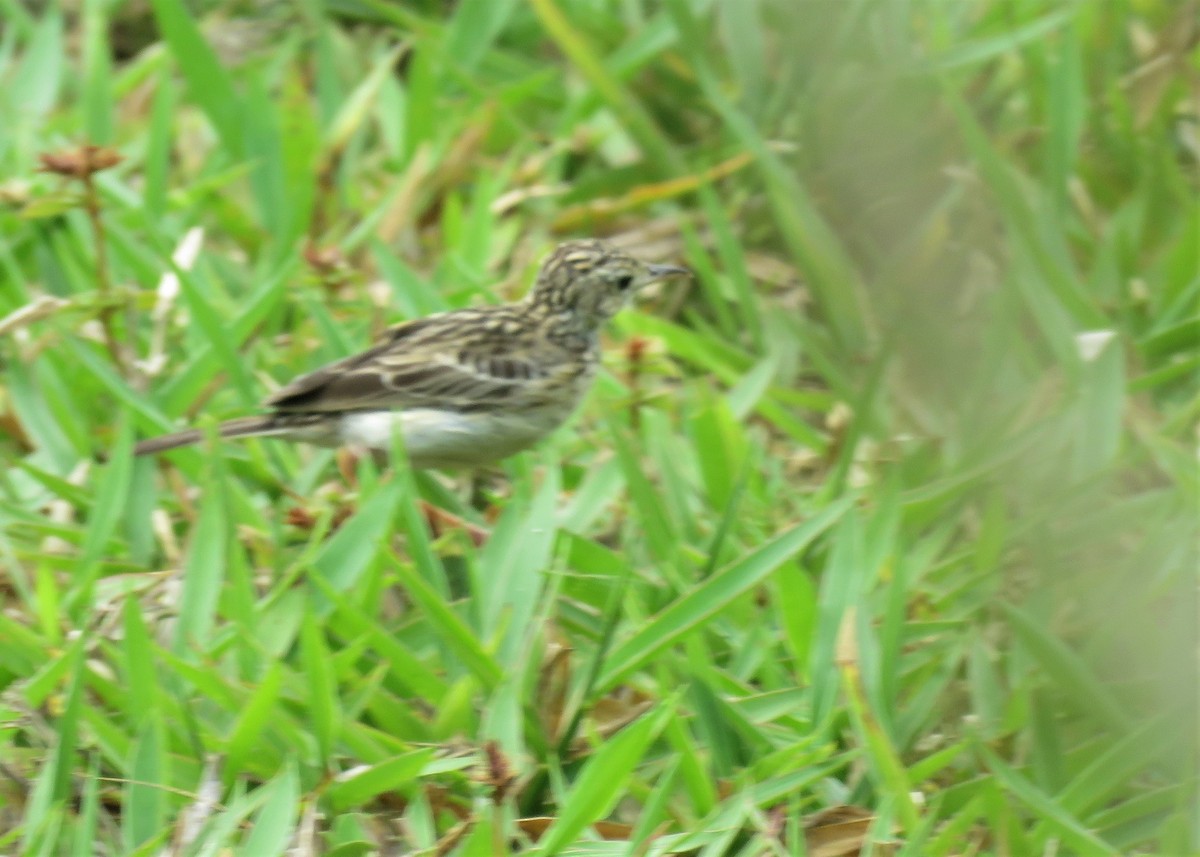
x=432 y=362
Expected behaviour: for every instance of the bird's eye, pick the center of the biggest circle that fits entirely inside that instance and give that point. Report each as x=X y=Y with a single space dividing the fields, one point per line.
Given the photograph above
x=624 y=282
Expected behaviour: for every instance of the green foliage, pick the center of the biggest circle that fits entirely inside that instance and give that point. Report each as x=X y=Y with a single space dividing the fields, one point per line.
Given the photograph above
x=893 y=506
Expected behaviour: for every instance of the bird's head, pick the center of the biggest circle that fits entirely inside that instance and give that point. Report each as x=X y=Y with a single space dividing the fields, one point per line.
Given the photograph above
x=593 y=281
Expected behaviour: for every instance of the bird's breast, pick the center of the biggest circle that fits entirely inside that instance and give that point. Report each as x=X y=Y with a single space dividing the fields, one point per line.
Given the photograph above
x=442 y=438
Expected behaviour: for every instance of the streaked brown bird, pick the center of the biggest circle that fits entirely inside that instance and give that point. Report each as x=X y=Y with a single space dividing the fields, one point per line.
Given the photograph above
x=463 y=388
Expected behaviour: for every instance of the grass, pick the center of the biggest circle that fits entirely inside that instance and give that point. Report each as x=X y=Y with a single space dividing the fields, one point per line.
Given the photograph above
x=878 y=537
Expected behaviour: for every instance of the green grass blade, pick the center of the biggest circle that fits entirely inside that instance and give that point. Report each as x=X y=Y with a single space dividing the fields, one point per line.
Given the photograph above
x=209 y=84
x=688 y=612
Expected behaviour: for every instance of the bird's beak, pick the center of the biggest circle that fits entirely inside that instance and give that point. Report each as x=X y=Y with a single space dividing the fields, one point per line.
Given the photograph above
x=660 y=272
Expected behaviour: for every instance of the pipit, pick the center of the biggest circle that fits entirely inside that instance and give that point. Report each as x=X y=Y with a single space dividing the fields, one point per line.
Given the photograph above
x=463 y=388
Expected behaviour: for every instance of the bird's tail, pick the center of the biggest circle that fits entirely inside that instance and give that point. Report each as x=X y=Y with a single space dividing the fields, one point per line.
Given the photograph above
x=243 y=427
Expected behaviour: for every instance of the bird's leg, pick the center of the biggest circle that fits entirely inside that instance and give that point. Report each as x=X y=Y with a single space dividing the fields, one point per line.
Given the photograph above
x=476 y=498
x=346 y=458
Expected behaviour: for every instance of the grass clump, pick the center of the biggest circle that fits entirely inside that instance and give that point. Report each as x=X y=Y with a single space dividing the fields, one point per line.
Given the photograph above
x=877 y=537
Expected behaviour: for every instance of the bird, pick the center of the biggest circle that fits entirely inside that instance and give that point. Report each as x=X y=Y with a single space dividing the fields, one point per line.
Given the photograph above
x=464 y=388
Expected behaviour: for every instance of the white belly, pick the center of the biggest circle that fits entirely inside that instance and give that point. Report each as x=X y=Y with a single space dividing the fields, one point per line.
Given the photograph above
x=436 y=438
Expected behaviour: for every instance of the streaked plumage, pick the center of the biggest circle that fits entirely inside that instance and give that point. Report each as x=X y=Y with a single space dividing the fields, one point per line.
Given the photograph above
x=466 y=387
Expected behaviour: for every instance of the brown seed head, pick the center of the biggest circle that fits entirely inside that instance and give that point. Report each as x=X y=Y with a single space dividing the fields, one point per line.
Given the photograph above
x=80 y=162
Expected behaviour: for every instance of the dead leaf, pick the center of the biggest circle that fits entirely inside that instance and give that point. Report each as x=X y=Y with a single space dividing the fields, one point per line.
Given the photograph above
x=840 y=831
x=554 y=677
x=536 y=826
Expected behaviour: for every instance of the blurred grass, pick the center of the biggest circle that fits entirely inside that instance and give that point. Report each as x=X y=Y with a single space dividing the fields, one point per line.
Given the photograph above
x=892 y=509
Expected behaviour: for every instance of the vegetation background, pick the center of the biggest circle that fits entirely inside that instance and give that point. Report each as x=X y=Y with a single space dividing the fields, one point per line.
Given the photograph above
x=877 y=537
